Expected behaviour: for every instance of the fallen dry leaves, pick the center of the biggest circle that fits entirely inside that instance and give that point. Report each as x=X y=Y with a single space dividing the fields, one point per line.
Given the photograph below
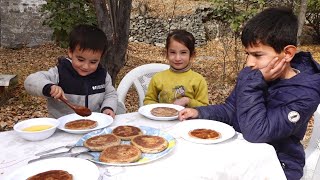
x=25 y=61
x=209 y=62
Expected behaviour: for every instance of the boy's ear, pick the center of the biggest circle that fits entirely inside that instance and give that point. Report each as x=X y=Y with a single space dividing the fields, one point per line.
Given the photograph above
x=70 y=53
x=289 y=52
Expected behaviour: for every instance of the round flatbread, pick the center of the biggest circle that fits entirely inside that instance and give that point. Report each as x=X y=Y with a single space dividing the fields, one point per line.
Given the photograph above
x=81 y=124
x=205 y=134
x=150 y=144
x=101 y=142
x=123 y=153
x=52 y=175
x=126 y=132
x=164 y=112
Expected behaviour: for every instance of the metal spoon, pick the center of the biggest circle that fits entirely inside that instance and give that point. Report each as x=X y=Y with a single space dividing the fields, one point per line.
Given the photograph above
x=80 y=110
x=72 y=151
x=51 y=150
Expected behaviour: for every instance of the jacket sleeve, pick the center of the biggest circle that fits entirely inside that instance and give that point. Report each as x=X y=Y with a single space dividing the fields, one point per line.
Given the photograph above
x=258 y=120
x=35 y=82
x=152 y=93
x=110 y=97
x=201 y=94
x=222 y=112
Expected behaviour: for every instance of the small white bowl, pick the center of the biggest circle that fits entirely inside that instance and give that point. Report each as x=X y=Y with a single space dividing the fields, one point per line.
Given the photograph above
x=36 y=135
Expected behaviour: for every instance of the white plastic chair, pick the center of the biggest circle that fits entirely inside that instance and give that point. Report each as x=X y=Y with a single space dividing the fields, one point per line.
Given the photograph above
x=311 y=169
x=139 y=77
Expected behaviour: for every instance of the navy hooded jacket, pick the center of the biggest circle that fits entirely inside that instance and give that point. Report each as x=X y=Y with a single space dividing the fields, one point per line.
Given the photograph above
x=274 y=112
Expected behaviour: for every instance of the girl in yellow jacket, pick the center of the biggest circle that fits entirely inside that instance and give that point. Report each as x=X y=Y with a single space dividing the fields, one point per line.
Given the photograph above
x=178 y=85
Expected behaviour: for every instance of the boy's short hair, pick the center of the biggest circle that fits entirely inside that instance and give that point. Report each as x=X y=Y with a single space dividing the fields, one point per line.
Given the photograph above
x=275 y=27
x=184 y=37
x=88 y=37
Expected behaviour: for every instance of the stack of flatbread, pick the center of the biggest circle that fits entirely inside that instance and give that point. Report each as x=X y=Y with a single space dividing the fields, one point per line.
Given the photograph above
x=115 y=152
x=150 y=144
x=101 y=142
x=52 y=175
x=123 y=153
x=164 y=112
x=205 y=134
x=126 y=132
x=81 y=124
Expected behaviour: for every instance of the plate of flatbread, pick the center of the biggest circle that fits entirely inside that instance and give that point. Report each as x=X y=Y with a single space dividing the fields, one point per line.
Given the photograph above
x=160 y=111
x=134 y=151
x=204 y=131
x=73 y=123
x=57 y=168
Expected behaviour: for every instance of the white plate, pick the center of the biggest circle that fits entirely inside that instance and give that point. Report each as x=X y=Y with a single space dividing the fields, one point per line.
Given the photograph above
x=146 y=157
x=185 y=127
x=79 y=168
x=145 y=111
x=102 y=119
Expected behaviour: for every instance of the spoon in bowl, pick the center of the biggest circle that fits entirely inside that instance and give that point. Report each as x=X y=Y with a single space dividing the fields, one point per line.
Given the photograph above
x=80 y=110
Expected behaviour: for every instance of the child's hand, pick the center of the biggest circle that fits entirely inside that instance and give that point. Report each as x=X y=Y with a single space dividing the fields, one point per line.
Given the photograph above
x=274 y=69
x=109 y=112
x=188 y=113
x=184 y=101
x=56 y=92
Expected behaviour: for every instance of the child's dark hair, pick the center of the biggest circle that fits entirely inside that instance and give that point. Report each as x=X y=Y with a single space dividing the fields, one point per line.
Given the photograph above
x=87 y=37
x=183 y=37
x=275 y=27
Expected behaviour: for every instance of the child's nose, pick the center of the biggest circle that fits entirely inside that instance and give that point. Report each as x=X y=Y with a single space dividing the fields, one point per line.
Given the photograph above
x=250 y=62
x=178 y=57
x=85 y=66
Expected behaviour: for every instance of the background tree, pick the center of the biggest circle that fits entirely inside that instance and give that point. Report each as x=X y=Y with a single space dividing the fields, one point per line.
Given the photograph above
x=114 y=19
x=302 y=18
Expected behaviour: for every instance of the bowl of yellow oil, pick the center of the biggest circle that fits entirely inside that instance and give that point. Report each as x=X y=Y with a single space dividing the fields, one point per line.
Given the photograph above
x=36 y=129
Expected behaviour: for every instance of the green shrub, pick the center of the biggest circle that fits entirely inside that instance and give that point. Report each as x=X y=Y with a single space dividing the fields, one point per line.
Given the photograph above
x=62 y=16
x=236 y=12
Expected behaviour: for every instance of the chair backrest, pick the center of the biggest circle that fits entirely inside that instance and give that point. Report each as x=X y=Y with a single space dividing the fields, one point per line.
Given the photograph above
x=313 y=150
x=140 y=78
x=316 y=174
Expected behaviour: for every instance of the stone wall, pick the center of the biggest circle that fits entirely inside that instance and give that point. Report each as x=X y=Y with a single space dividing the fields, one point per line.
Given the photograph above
x=154 y=31
x=21 y=25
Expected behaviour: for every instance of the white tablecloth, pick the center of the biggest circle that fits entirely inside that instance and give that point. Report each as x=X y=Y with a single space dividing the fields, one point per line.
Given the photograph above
x=232 y=159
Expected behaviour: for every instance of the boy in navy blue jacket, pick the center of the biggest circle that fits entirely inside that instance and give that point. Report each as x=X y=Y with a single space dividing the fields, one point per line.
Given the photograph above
x=276 y=93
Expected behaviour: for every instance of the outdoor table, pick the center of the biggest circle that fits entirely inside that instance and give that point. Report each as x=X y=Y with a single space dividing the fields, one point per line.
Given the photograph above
x=235 y=158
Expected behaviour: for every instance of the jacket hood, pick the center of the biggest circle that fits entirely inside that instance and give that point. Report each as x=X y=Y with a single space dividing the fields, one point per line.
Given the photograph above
x=304 y=62
x=309 y=72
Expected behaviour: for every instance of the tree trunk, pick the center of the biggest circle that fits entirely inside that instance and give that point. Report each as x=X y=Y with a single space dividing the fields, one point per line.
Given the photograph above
x=301 y=18
x=114 y=19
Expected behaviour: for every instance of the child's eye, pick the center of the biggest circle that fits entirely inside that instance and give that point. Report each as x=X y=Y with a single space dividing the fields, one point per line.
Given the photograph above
x=81 y=60
x=257 y=55
x=93 y=62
